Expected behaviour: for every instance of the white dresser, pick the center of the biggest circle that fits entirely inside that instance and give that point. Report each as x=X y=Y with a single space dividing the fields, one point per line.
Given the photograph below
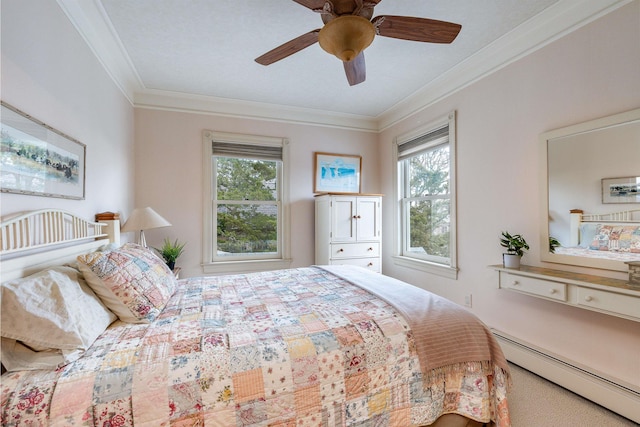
x=348 y=230
x=610 y=296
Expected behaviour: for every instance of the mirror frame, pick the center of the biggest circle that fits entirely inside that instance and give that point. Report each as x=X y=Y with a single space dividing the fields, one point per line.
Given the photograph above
x=589 y=126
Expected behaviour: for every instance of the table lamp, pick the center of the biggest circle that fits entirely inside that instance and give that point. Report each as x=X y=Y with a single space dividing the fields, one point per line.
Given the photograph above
x=144 y=219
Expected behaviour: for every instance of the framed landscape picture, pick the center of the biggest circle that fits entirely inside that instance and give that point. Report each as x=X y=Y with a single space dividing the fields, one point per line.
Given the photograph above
x=621 y=190
x=38 y=160
x=336 y=173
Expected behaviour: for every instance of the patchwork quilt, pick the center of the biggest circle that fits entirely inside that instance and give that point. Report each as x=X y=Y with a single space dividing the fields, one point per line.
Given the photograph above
x=298 y=347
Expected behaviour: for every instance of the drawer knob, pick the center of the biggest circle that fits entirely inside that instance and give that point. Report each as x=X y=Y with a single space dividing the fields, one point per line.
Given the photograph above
x=370 y=264
x=515 y=283
x=370 y=249
x=340 y=250
x=588 y=298
x=553 y=291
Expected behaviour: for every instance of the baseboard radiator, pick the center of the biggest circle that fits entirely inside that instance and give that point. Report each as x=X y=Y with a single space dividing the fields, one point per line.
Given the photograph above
x=612 y=393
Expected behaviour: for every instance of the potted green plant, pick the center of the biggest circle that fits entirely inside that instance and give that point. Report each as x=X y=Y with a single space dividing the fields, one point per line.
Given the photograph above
x=516 y=245
x=553 y=244
x=170 y=251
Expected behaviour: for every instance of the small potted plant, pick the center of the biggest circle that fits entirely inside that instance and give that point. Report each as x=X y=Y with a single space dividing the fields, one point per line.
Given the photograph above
x=553 y=244
x=170 y=251
x=516 y=245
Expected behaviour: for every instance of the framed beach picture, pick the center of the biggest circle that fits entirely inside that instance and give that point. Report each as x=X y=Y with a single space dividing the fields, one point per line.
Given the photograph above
x=36 y=159
x=621 y=190
x=336 y=173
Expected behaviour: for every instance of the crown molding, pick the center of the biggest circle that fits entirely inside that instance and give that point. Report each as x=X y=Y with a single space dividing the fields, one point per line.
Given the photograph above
x=565 y=16
x=189 y=103
x=89 y=18
x=551 y=24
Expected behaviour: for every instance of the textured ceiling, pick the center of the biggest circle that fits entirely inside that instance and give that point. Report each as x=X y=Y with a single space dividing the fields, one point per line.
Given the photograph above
x=208 y=48
x=198 y=55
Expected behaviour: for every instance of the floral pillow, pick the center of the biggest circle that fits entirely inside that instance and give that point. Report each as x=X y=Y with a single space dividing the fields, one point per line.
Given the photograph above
x=617 y=238
x=132 y=281
x=600 y=241
x=629 y=239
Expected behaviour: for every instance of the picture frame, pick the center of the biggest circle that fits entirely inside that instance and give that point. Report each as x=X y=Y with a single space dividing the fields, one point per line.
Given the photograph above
x=621 y=190
x=337 y=173
x=37 y=159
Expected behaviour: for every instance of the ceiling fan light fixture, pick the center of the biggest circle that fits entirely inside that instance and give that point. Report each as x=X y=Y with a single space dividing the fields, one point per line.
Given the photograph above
x=346 y=36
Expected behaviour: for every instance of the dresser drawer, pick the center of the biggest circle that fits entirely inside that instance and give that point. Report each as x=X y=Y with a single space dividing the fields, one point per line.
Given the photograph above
x=543 y=288
x=372 y=264
x=609 y=301
x=352 y=250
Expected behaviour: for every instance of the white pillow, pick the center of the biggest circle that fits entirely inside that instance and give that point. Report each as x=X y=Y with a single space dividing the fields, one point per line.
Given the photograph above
x=53 y=312
x=18 y=357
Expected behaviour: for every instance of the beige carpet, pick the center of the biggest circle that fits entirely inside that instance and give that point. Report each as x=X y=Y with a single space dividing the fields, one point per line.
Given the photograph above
x=535 y=402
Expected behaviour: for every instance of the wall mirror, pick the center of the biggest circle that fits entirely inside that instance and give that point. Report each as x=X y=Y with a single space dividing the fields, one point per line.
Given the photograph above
x=593 y=170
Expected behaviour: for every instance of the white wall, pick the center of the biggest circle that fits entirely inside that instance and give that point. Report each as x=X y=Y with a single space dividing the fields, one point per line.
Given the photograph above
x=591 y=73
x=49 y=72
x=169 y=173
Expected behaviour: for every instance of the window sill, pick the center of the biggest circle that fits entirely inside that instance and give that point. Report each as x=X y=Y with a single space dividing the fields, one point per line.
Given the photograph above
x=427 y=267
x=234 y=267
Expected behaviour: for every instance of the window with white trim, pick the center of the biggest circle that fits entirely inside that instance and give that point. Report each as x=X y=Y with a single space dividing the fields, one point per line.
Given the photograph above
x=426 y=219
x=246 y=203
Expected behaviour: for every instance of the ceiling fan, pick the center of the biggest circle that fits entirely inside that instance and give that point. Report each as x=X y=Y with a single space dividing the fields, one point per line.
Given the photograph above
x=349 y=29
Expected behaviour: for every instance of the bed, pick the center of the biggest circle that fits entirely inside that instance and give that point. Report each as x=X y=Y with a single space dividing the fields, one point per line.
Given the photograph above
x=319 y=345
x=611 y=236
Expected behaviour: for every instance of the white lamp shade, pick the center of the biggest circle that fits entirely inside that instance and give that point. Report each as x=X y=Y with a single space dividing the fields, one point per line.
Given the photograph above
x=144 y=219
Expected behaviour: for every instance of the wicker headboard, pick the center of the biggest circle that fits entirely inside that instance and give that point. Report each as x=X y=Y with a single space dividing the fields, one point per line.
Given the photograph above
x=39 y=239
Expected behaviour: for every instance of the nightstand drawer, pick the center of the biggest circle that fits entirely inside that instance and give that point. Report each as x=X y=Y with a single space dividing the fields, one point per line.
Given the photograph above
x=543 y=288
x=352 y=250
x=372 y=264
x=609 y=301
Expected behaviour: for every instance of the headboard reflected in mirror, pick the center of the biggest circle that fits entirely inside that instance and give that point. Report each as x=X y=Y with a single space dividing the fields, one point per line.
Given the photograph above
x=592 y=169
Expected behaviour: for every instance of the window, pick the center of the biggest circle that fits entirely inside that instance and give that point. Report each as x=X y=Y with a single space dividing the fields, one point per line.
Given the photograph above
x=245 y=203
x=426 y=195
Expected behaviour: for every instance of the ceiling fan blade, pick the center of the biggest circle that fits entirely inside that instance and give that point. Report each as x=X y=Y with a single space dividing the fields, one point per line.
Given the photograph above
x=416 y=29
x=355 y=70
x=289 y=48
x=312 y=4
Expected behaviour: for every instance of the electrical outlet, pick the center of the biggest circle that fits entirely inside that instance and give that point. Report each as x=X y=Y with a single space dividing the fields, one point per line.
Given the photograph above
x=467 y=300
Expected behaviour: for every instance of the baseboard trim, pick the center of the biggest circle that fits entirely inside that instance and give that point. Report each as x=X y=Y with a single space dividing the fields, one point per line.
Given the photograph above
x=612 y=393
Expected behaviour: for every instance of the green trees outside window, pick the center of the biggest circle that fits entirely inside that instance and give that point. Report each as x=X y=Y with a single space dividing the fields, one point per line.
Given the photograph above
x=247 y=206
x=427 y=202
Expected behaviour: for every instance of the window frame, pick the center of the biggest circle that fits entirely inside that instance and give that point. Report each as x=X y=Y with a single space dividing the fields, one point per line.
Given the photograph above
x=212 y=264
x=401 y=257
